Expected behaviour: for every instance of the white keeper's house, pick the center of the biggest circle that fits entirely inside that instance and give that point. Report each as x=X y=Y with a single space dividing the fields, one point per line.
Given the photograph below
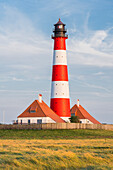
x=83 y=115
x=39 y=112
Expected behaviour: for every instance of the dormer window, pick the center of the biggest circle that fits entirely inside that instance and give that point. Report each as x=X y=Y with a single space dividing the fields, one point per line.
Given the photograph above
x=33 y=109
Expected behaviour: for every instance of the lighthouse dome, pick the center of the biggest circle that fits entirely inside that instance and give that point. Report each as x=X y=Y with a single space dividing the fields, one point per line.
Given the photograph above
x=59 y=23
x=59 y=30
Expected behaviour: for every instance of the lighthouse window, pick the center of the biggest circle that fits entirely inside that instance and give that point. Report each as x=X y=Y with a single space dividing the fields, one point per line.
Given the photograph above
x=60 y=26
x=62 y=56
x=63 y=93
x=57 y=56
x=56 y=84
x=56 y=93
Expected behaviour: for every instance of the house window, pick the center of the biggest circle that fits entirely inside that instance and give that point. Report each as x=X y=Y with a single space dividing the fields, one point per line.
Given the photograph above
x=28 y=121
x=39 y=121
x=72 y=114
x=80 y=121
x=33 y=109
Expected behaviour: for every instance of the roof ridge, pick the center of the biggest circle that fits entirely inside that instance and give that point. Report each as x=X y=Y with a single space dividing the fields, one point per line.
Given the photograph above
x=49 y=108
x=53 y=113
x=41 y=108
x=26 y=109
x=90 y=116
x=79 y=110
x=87 y=112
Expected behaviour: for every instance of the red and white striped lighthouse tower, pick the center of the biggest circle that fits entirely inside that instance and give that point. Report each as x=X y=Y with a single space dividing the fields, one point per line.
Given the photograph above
x=60 y=101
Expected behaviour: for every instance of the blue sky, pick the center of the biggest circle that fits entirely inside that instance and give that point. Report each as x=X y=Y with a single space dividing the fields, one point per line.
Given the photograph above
x=26 y=50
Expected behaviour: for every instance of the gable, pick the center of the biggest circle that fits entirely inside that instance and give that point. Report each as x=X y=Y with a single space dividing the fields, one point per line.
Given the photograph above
x=37 y=109
x=83 y=114
x=33 y=111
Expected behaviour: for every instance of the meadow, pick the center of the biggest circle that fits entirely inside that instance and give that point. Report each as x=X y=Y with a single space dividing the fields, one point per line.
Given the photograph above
x=55 y=134
x=60 y=150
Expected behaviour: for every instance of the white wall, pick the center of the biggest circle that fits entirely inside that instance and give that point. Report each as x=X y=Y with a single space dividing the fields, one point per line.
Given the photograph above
x=86 y=121
x=66 y=119
x=34 y=120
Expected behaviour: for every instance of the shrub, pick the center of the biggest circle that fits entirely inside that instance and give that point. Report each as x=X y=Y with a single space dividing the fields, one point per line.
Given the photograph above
x=74 y=119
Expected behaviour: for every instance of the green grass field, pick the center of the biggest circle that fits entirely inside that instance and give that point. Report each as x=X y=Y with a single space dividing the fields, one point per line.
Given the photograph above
x=55 y=134
x=56 y=149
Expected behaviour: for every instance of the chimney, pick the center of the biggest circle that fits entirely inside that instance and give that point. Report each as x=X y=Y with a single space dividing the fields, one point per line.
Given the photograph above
x=78 y=102
x=40 y=98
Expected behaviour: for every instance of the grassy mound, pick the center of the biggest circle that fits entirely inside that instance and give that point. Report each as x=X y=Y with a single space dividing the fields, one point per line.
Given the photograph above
x=55 y=134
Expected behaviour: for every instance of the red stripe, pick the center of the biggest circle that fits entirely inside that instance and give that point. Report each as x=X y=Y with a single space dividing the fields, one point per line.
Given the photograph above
x=60 y=73
x=61 y=106
x=59 y=43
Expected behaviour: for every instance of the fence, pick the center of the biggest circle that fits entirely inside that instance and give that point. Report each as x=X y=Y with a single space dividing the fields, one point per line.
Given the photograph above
x=59 y=126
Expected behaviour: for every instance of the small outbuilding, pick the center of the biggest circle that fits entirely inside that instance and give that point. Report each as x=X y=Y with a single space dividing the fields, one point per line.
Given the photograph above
x=83 y=115
x=39 y=112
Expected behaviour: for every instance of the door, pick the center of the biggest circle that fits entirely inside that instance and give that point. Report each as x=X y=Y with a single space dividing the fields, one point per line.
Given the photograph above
x=28 y=121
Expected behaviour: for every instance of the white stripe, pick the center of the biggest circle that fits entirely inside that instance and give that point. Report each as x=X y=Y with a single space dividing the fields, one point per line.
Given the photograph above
x=59 y=57
x=60 y=89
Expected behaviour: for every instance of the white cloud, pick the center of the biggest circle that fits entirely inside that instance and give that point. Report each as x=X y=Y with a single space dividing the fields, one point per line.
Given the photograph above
x=96 y=87
x=91 y=49
x=98 y=38
x=18 y=37
x=22 y=67
x=17 y=79
x=99 y=73
x=81 y=81
x=23 y=49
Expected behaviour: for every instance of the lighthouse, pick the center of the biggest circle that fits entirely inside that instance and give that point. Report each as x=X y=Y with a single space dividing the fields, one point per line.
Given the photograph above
x=60 y=101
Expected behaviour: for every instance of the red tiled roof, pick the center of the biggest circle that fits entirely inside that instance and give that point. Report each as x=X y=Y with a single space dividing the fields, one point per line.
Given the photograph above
x=83 y=114
x=42 y=110
x=34 y=107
